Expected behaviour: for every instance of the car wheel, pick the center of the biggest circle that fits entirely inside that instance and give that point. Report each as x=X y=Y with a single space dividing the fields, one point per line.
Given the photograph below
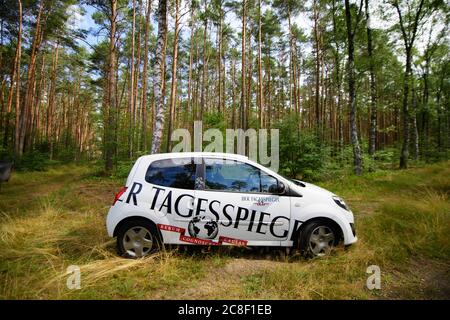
x=318 y=238
x=137 y=239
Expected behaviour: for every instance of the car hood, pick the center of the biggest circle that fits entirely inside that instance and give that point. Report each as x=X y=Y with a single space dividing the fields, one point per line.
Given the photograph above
x=310 y=189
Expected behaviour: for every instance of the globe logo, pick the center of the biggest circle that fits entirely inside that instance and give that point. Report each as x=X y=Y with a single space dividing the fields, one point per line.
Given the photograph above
x=203 y=227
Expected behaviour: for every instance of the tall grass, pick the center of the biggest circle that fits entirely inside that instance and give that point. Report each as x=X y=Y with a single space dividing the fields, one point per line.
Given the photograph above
x=51 y=220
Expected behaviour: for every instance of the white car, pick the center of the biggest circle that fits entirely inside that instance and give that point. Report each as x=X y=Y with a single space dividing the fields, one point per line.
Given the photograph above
x=223 y=199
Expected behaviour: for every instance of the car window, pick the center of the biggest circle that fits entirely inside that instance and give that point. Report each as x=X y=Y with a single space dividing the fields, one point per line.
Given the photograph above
x=269 y=184
x=178 y=173
x=231 y=175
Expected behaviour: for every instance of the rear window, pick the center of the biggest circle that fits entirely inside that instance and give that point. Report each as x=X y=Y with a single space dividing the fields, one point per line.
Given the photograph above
x=173 y=173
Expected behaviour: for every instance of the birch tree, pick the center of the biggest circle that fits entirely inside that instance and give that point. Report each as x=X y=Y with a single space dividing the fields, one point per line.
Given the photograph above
x=158 y=77
x=357 y=156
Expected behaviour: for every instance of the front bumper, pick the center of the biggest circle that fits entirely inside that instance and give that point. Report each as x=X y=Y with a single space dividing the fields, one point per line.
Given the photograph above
x=350 y=234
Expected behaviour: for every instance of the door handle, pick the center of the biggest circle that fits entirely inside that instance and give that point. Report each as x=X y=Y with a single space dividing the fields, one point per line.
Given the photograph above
x=297 y=204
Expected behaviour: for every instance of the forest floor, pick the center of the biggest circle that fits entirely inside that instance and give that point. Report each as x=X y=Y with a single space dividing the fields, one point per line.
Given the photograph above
x=53 y=219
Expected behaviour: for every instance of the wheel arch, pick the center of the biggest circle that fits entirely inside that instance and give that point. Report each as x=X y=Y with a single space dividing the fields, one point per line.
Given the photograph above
x=329 y=220
x=136 y=218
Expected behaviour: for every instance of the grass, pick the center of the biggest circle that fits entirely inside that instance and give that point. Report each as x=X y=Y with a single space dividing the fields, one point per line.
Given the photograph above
x=53 y=219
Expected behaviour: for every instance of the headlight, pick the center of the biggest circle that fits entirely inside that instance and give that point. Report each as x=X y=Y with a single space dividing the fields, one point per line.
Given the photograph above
x=341 y=203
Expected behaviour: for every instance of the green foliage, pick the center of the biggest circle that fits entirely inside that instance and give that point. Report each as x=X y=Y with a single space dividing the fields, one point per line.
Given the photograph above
x=386 y=155
x=301 y=154
x=67 y=155
x=81 y=103
x=214 y=120
x=35 y=161
x=369 y=163
x=123 y=168
x=5 y=154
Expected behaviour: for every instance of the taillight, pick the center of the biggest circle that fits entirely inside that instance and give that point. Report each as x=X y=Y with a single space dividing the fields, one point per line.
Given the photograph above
x=119 y=194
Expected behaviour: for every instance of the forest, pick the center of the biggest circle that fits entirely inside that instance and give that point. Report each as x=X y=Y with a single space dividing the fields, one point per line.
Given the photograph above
x=347 y=83
x=358 y=89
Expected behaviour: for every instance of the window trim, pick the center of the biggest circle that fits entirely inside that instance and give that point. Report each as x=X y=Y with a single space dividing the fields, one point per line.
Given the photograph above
x=203 y=174
x=192 y=161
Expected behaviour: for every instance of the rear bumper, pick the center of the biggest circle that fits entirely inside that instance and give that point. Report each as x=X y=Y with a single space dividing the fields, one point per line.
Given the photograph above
x=111 y=221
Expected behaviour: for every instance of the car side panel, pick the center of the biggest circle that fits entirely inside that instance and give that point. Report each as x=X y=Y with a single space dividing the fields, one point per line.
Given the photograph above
x=128 y=207
x=319 y=210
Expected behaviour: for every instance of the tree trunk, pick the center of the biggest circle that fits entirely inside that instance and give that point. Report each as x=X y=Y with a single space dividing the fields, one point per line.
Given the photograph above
x=425 y=111
x=25 y=114
x=269 y=87
x=233 y=94
x=405 y=112
x=51 y=101
x=144 y=75
x=191 y=62
x=248 y=86
x=131 y=99
x=243 y=119
x=357 y=157
x=205 y=62
x=339 y=86
x=110 y=143
x=137 y=103
x=158 y=77
x=173 y=89
x=440 y=143
x=260 y=75
x=415 y=133
x=317 y=72
x=373 y=102
x=292 y=67
x=223 y=66
x=408 y=38
x=219 y=60
x=15 y=78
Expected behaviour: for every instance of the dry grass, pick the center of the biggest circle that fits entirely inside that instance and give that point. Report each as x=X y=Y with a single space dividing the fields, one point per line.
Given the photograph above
x=54 y=219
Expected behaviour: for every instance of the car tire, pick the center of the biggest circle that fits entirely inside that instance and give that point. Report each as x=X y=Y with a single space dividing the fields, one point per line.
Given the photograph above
x=137 y=238
x=318 y=238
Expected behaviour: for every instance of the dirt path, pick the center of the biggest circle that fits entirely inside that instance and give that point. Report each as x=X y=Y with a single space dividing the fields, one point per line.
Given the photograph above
x=430 y=279
x=222 y=281
x=22 y=193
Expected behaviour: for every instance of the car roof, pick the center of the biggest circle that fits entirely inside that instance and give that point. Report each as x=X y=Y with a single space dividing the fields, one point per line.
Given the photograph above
x=158 y=156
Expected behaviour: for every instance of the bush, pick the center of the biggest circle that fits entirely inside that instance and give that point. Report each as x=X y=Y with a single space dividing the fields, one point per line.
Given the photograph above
x=34 y=161
x=123 y=169
x=67 y=155
x=214 y=120
x=301 y=154
x=369 y=163
x=387 y=155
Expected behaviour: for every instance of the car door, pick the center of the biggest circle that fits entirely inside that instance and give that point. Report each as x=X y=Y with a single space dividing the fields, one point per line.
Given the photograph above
x=169 y=192
x=244 y=201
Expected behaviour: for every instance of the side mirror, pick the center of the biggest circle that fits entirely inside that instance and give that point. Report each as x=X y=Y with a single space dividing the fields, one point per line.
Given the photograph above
x=279 y=188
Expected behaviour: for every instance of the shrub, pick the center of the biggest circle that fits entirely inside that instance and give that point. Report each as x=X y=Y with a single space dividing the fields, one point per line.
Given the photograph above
x=34 y=161
x=301 y=154
x=123 y=169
